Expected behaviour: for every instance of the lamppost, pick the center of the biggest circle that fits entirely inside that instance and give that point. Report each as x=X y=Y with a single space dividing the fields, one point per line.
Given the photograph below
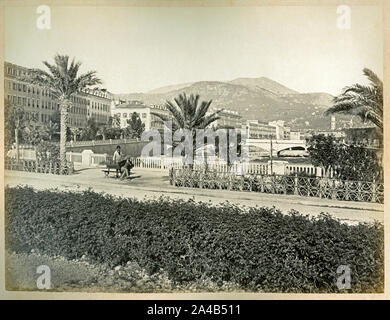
x=271 y=153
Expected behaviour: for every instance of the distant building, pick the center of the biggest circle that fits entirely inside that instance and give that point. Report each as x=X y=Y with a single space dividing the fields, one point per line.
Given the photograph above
x=332 y=123
x=282 y=132
x=41 y=104
x=295 y=135
x=259 y=130
x=145 y=112
x=228 y=119
x=335 y=133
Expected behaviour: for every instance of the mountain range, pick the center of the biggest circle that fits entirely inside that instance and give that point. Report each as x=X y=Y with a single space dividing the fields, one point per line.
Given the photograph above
x=254 y=98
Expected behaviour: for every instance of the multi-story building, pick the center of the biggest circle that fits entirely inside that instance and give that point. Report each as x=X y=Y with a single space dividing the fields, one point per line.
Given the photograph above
x=41 y=104
x=256 y=129
x=145 y=112
x=295 y=135
x=227 y=119
x=282 y=132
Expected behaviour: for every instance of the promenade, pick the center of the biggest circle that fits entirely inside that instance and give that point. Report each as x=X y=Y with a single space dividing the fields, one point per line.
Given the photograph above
x=148 y=184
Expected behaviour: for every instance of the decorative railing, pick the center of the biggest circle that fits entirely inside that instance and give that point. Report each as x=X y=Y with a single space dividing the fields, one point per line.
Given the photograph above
x=52 y=167
x=280 y=184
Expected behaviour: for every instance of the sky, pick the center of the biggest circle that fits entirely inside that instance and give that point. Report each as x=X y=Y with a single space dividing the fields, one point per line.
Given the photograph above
x=136 y=49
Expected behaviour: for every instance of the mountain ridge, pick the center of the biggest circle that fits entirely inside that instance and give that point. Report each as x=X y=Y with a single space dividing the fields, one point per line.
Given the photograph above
x=254 y=98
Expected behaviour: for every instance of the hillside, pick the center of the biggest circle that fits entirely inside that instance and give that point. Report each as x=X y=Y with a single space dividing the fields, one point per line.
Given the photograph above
x=255 y=98
x=263 y=83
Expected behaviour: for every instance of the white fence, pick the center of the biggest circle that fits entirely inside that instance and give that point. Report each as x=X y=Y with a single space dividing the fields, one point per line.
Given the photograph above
x=88 y=158
x=24 y=154
x=99 y=142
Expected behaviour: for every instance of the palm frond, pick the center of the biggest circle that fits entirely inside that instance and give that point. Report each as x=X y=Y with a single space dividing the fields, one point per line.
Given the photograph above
x=363 y=101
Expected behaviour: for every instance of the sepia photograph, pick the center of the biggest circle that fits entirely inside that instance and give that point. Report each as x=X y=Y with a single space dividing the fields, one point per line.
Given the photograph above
x=219 y=147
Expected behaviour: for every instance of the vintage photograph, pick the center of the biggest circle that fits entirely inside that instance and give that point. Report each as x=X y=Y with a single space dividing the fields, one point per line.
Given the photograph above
x=193 y=147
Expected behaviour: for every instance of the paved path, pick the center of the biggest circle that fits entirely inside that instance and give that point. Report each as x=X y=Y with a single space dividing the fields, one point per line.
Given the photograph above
x=146 y=183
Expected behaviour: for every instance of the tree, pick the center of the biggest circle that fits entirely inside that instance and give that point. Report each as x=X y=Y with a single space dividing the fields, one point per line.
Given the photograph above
x=75 y=133
x=34 y=135
x=187 y=113
x=90 y=131
x=347 y=162
x=135 y=126
x=363 y=101
x=64 y=81
x=114 y=121
x=16 y=119
x=51 y=129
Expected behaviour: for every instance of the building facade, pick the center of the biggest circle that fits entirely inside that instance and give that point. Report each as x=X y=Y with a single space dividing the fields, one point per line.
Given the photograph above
x=228 y=119
x=40 y=104
x=145 y=112
x=282 y=132
x=259 y=130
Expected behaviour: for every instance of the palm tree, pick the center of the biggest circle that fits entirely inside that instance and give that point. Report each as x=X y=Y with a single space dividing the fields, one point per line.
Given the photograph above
x=364 y=101
x=75 y=132
x=15 y=121
x=188 y=113
x=63 y=80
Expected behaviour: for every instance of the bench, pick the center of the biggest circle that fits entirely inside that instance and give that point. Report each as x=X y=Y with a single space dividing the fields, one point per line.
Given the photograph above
x=110 y=168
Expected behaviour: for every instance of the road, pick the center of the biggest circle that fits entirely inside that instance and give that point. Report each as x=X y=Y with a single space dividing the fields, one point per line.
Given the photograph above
x=148 y=183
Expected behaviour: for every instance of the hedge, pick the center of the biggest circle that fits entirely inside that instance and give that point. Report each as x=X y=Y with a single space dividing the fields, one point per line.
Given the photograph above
x=259 y=249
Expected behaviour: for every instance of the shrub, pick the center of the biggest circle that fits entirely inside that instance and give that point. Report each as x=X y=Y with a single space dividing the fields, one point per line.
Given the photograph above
x=259 y=249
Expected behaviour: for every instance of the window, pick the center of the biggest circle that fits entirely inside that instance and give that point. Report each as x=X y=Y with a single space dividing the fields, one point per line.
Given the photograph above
x=143 y=115
x=19 y=87
x=124 y=115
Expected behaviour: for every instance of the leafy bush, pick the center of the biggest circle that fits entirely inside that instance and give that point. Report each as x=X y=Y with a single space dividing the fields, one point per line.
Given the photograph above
x=258 y=249
x=48 y=151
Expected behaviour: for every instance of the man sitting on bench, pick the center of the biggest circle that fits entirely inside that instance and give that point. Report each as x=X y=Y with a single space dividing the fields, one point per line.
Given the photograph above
x=126 y=166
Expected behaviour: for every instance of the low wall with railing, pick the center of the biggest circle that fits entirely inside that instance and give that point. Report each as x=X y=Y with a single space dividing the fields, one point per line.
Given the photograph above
x=280 y=184
x=50 y=167
x=129 y=147
x=88 y=158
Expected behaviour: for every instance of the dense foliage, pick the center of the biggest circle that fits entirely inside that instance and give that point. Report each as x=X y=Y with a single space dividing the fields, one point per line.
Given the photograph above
x=348 y=162
x=259 y=249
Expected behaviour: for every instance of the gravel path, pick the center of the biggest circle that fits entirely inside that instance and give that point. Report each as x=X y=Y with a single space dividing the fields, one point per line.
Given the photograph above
x=146 y=183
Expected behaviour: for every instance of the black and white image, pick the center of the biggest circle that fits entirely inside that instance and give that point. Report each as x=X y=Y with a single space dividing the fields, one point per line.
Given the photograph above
x=194 y=149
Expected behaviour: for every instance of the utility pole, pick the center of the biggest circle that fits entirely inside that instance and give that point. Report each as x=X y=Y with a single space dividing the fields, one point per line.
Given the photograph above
x=270 y=152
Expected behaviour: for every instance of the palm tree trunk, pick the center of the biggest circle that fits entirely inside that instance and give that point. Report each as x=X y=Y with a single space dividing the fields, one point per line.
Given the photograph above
x=63 y=126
